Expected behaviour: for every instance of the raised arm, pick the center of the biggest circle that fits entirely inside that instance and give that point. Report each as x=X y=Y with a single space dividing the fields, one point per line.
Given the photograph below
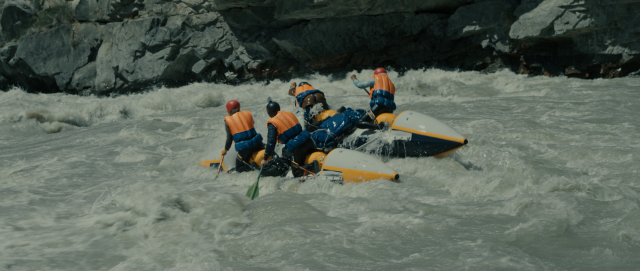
x=370 y=83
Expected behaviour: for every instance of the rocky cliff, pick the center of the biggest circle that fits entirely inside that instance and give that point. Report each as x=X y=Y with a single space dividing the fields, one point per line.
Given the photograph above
x=105 y=46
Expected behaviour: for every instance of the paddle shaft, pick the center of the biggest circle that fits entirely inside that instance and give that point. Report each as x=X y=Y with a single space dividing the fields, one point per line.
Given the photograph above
x=219 y=166
x=253 y=191
x=299 y=167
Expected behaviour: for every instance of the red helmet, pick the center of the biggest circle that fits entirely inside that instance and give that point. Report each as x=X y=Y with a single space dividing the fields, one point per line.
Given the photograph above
x=231 y=105
x=380 y=71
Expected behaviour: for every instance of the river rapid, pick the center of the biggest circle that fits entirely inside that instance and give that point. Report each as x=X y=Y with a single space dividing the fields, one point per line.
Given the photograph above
x=549 y=181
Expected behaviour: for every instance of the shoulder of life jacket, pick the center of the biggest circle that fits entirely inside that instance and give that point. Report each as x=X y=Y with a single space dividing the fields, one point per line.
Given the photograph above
x=239 y=122
x=287 y=125
x=383 y=83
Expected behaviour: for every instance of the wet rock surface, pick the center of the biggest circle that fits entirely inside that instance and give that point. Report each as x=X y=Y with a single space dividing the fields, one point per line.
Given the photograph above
x=129 y=45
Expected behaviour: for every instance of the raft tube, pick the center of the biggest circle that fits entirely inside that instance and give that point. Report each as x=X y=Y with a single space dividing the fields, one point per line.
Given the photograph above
x=229 y=162
x=352 y=166
x=411 y=134
x=341 y=165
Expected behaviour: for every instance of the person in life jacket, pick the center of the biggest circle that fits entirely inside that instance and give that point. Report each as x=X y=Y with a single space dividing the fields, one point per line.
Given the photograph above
x=307 y=97
x=381 y=92
x=239 y=128
x=284 y=128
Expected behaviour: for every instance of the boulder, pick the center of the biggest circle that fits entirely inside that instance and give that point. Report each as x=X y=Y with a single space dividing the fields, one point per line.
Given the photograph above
x=125 y=45
x=17 y=18
x=229 y=4
x=56 y=62
x=538 y=22
x=479 y=17
x=83 y=78
x=107 y=10
x=323 y=9
x=323 y=38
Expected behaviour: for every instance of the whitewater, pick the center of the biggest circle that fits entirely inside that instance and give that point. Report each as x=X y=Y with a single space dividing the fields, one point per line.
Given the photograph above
x=548 y=181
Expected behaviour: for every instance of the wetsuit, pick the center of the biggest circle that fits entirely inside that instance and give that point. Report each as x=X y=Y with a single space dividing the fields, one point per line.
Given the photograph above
x=285 y=128
x=247 y=139
x=381 y=93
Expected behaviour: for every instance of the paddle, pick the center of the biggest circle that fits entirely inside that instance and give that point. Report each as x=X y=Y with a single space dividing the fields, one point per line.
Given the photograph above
x=299 y=167
x=219 y=167
x=253 y=190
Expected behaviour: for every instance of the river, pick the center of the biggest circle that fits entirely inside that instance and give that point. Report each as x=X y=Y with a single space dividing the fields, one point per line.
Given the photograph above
x=548 y=181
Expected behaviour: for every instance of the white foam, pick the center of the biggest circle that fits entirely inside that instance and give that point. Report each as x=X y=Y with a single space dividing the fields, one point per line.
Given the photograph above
x=548 y=181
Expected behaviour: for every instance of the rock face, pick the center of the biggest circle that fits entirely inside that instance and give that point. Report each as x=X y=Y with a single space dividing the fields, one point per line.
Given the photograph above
x=128 y=45
x=17 y=17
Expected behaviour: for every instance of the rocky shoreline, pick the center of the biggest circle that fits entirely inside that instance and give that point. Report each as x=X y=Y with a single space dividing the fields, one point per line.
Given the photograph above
x=116 y=46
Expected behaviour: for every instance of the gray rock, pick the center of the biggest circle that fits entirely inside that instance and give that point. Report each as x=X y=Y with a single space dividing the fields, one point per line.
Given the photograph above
x=161 y=41
x=84 y=77
x=199 y=66
x=478 y=17
x=17 y=18
x=313 y=9
x=105 y=79
x=229 y=4
x=533 y=23
x=322 y=38
x=179 y=68
x=107 y=10
x=8 y=51
x=56 y=62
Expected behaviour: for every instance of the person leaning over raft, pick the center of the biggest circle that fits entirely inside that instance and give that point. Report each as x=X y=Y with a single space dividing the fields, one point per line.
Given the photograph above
x=382 y=92
x=285 y=128
x=239 y=128
x=306 y=97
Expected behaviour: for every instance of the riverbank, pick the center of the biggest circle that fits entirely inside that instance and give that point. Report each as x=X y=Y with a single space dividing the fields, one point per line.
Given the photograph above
x=106 y=46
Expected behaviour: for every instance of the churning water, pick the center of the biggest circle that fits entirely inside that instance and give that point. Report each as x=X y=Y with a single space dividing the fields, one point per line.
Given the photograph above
x=549 y=181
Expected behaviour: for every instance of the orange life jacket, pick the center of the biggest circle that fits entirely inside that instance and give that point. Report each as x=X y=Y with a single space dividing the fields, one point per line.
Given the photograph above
x=382 y=82
x=285 y=122
x=242 y=130
x=239 y=122
x=302 y=89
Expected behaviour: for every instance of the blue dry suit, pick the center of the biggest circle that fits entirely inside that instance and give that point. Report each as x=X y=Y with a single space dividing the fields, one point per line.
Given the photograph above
x=335 y=126
x=293 y=137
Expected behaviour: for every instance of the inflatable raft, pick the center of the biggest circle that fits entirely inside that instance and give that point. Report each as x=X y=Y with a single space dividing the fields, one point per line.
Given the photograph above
x=340 y=165
x=410 y=134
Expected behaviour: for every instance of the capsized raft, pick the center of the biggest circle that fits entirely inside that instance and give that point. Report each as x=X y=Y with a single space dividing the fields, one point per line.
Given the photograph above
x=411 y=134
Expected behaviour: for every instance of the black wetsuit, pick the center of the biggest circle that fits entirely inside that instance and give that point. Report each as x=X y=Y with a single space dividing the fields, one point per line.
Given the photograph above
x=377 y=110
x=242 y=160
x=299 y=154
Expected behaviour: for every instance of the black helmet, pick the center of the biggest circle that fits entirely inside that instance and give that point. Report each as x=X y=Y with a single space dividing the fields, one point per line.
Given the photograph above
x=273 y=108
x=302 y=84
